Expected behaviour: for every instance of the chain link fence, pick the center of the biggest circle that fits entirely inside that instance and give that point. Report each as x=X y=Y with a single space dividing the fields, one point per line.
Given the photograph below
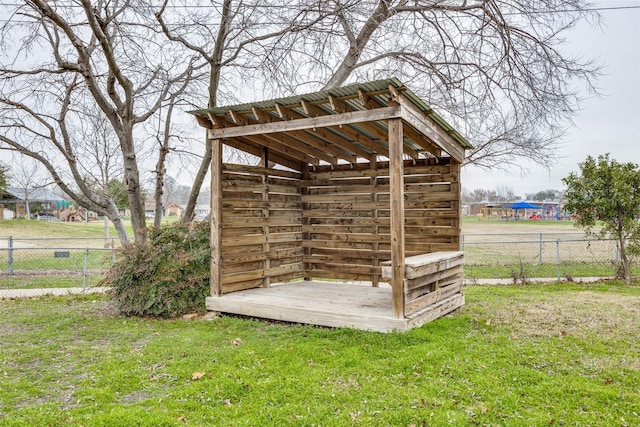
x=81 y=263
x=524 y=256
x=37 y=263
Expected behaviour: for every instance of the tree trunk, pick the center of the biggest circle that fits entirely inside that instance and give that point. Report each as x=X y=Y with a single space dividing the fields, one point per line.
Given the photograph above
x=187 y=215
x=112 y=212
x=134 y=191
x=624 y=261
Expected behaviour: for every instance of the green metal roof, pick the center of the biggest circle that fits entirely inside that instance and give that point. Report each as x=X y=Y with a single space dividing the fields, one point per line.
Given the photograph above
x=344 y=92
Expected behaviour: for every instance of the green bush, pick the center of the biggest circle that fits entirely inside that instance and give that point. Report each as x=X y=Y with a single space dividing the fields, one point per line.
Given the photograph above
x=167 y=276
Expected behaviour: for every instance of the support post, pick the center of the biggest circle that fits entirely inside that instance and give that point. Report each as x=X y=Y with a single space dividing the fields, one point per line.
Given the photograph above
x=10 y=255
x=264 y=162
x=216 y=217
x=85 y=271
x=306 y=237
x=396 y=181
x=456 y=206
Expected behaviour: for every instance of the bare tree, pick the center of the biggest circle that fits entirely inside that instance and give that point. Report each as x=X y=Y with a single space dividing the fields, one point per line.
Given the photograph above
x=101 y=167
x=505 y=193
x=240 y=28
x=496 y=69
x=90 y=54
x=25 y=177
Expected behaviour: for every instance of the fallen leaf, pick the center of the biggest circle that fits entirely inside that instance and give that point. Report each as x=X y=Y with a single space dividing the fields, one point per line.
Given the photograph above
x=608 y=381
x=488 y=323
x=181 y=419
x=483 y=410
x=514 y=337
x=227 y=402
x=237 y=341
x=197 y=375
x=417 y=374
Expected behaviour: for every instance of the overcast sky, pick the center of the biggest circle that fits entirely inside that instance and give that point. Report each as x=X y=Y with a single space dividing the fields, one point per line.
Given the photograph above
x=610 y=124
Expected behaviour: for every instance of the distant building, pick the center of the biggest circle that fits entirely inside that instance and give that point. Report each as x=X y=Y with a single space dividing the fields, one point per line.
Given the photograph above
x=173 y=210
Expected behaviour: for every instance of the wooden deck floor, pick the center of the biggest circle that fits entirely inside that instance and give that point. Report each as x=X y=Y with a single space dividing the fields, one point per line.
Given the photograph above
x=332 y=304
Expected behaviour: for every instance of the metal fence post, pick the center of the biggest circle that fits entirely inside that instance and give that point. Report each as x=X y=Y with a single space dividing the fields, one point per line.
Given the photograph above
x=540 y=262
x=10 y=255
x=558 y=256
x=86 y=265
x=462 y=242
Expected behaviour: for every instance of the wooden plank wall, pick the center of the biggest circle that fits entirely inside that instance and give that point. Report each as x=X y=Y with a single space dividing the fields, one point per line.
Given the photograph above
x=261 y=227
x=346 y=212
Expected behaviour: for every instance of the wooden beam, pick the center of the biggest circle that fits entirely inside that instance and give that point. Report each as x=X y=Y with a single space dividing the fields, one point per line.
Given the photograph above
x=423 y=142
x=417 y=119
x=427 y=126
x=216 y=218
x=204 y=122
x=295 y=150
x=357 y=137
x=252 y=148
x=215 y=121
x=308 y=123
x=275 y=145
x=373 y=128
x=396 y=181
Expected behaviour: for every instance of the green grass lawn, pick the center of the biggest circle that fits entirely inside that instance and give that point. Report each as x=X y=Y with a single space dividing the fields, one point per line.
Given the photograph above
x=32 y=281
x=532 y=355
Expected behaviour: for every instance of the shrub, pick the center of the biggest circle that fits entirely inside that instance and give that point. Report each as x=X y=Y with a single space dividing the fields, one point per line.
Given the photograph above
x=166 y=276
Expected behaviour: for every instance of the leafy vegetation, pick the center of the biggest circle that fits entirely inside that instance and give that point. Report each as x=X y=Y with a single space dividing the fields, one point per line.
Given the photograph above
x=608 y=191
x=562 y=354
x=4 y=178
x=166 y=276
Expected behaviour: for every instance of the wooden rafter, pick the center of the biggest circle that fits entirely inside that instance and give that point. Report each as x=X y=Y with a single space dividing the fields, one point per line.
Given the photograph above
x=328 y=136
x=312 y=141
x=372 y=127
x=347 y=118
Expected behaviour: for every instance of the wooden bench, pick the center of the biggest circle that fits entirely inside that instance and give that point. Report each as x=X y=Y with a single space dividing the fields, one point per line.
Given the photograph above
x=429 y=279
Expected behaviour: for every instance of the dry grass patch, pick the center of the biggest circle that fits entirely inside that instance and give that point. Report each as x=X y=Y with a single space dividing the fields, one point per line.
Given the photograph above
x=578 y=314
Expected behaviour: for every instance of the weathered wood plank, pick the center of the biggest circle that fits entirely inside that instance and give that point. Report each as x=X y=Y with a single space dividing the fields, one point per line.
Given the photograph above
x=260 y=239
x=422 y=265
x=258 y=188
x=332 y=274
x=259 y=204
x=308 y=123
x=329 y=304
x=291 y=221
x=352 y=253
x=261 y=171
x=273 y=254
x=448 y=278
x=352 y=237
x=433 y=297
x=260 y=274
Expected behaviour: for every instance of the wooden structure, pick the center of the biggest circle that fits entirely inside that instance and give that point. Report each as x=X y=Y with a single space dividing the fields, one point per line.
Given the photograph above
x=355 y=183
